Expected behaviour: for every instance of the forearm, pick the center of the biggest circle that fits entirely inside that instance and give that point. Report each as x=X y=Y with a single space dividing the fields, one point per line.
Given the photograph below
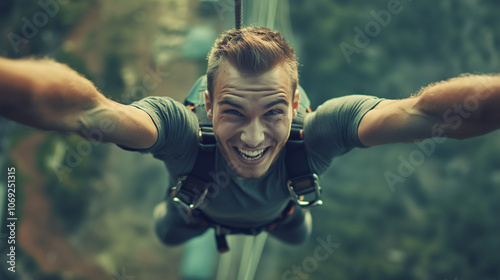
x=45 y=94
x=462 y=107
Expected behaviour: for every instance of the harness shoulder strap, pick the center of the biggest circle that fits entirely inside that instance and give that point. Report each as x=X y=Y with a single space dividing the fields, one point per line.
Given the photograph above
x=192 y=188
x=302 y=181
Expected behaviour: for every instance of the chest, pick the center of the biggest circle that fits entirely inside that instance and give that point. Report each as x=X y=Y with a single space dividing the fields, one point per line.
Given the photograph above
x=253 y=199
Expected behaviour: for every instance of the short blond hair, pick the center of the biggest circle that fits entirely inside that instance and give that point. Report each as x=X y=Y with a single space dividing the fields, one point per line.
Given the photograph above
x=252 y=50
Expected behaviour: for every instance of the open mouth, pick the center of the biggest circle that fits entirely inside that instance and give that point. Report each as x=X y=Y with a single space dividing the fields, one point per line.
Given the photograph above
x=251 y=155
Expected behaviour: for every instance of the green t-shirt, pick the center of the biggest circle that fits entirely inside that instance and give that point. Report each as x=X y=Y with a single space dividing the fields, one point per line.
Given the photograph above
x=330 y=131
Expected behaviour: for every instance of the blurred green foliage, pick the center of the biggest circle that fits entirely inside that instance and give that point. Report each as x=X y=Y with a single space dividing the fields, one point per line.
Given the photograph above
x=423 y=43
x=440 y=223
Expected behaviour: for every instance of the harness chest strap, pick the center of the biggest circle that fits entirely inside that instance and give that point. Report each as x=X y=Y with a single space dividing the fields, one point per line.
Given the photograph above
x=191 y=190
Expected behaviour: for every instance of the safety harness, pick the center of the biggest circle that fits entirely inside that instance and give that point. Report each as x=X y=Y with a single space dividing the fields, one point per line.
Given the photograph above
x=191 y=190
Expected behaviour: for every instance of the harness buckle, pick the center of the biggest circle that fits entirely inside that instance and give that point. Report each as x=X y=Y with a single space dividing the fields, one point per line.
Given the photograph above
x=188 y=194
x=207 y=139
x=301 y=186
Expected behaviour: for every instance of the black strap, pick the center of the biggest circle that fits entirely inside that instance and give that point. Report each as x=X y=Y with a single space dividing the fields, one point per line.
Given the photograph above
x=297 y=165
x=196 y=183
x=220 y=240
x=238 y=14
x=295 y=154
x=296 y=160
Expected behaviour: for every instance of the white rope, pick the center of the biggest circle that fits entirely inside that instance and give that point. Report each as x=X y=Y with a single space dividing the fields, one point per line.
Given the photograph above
x=256 y=252
x=228 y=262
x=271 y=14
x=245 y=250
x=246 y=256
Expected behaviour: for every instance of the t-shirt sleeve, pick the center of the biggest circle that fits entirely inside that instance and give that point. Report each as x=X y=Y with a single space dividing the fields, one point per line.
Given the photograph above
x=177 y=128
x=332 y=129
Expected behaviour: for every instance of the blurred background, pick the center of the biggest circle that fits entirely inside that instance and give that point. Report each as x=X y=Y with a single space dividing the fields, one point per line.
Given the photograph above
x=398 y=212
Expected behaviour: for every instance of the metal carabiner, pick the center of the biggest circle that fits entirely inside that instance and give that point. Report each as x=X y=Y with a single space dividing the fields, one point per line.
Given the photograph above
x=313 y=181
x=188 y=201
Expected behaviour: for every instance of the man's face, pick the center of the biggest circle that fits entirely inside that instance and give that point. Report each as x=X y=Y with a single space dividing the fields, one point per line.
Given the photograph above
x=252 y=117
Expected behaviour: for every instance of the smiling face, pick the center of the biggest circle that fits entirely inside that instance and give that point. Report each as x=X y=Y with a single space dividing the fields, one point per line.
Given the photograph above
x=252 y=116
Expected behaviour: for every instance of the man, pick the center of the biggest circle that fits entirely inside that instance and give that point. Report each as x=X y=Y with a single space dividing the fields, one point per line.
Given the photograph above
x=251 y=99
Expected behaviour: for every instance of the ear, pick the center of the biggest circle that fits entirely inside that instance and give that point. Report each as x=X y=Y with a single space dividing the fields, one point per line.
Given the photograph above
x=208 y=105
x=295 y=104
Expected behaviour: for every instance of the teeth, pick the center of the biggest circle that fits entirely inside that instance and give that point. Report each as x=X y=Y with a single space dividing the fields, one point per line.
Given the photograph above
x=251 y=155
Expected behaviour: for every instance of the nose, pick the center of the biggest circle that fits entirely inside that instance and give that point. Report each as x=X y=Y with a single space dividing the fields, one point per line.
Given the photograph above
x=253 y=133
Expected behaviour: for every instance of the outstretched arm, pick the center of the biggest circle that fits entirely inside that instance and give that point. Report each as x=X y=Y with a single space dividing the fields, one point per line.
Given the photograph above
x=51 y=96
x=458 y=108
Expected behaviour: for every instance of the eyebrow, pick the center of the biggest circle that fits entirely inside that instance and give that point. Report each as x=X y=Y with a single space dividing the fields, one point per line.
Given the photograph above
x=226 y=101
x=276 y=102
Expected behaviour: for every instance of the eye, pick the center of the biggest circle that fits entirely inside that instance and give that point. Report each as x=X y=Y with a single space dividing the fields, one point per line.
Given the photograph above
x=232 y=112
x=273 y=112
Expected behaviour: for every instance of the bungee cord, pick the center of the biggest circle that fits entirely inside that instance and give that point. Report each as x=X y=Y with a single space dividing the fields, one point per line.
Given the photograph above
x=238 y=13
